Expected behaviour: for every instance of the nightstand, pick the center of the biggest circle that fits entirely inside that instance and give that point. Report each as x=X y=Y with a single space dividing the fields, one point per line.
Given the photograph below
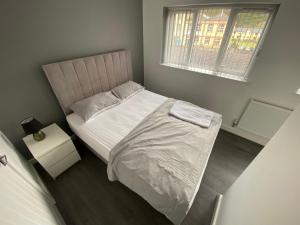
x=56 y=153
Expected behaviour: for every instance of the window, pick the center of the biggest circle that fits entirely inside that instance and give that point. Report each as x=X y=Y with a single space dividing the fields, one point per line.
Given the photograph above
x=210 y=27
x=221 y=27
x=191 y=44
x=217 y=42
x=206 y=41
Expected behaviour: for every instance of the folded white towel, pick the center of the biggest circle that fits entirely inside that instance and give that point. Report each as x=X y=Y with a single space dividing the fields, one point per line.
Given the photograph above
x=192 y=113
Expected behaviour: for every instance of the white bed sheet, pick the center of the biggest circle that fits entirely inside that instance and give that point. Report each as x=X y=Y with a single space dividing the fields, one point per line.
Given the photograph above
x=105 y=130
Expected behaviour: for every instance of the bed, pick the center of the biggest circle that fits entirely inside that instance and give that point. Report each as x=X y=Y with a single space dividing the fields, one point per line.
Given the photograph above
x=103 y=132
x=119 y=135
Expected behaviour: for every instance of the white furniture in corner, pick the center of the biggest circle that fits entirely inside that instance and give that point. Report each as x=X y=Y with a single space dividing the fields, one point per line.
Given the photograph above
x=56 y=153
x=24 y=198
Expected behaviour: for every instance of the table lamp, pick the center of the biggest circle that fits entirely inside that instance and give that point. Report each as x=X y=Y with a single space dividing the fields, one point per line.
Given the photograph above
x=32 y=126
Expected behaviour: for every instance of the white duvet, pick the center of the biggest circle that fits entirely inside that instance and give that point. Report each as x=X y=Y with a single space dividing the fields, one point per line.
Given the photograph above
x=163 y=160
x=107 y=129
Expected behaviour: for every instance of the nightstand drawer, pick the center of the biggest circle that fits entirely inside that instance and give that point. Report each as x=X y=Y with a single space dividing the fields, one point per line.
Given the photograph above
x=57 y=154
x=64 y=164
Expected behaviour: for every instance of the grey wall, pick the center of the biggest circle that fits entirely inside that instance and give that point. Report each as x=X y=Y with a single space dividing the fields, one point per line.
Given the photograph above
x=35 y=32
x=274 y=78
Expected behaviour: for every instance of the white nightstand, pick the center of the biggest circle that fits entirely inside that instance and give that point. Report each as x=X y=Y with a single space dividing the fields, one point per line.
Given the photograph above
x=56 y=152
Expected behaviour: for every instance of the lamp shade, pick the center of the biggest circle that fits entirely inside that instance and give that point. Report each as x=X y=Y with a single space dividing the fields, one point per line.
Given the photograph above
x=31 y=125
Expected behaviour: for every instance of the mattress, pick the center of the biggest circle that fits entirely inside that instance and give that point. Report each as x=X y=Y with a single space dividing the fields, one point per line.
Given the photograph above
x=107 y=129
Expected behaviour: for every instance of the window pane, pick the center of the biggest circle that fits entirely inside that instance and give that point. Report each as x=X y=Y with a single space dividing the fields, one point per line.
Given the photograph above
x=218 y=40
x=209 y=31
x=247 y=31
x=178 y=35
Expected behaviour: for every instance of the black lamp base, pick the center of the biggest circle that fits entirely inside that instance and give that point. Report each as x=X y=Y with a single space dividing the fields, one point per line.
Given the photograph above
x=39 y=136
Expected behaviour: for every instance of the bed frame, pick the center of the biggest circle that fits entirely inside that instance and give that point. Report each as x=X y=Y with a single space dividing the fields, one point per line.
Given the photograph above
x=76 y=79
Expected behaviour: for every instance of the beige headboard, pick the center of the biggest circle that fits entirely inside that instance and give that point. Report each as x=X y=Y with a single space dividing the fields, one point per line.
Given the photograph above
x=76 y=79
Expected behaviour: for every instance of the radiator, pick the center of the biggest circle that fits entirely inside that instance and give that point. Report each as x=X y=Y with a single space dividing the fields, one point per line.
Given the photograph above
x=262 y=119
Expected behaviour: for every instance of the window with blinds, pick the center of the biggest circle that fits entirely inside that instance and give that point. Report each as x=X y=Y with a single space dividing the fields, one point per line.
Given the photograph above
x=216 y=40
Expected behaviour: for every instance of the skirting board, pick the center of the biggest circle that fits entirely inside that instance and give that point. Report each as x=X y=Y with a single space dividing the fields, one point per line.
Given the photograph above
x=216 y=209
x=245 y=134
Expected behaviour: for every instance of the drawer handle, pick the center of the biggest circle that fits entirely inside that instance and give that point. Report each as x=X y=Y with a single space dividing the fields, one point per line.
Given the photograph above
x=3 y=160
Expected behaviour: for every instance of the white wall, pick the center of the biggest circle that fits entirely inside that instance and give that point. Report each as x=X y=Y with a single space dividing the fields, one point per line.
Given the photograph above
x=274 y=78
x=268 y=191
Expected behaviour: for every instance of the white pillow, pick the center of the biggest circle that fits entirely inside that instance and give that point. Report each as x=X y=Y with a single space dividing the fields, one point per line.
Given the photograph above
x=127 y=89
x=91 y=106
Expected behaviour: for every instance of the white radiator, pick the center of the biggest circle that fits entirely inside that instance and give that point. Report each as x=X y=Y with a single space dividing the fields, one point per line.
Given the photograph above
x=262 y=119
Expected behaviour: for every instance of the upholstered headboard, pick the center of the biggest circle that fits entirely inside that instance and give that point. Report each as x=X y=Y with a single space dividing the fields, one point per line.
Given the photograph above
x=76 y=79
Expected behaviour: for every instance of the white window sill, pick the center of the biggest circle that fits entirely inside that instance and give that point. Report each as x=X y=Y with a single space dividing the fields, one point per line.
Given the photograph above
x=207 y=72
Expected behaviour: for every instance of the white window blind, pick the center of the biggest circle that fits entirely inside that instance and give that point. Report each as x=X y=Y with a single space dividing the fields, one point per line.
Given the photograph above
x=216 y=40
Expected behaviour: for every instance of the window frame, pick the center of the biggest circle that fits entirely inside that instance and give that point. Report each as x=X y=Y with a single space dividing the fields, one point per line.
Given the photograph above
x=235 y=9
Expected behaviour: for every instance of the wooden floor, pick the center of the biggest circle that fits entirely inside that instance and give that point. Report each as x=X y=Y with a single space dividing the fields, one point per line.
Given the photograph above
x=85 y=196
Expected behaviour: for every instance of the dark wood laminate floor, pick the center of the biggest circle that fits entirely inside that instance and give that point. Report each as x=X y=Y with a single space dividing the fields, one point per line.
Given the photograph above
x=85 y=196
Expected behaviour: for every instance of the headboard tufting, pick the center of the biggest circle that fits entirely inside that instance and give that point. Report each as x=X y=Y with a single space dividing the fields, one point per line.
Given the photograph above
x=76 y=79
